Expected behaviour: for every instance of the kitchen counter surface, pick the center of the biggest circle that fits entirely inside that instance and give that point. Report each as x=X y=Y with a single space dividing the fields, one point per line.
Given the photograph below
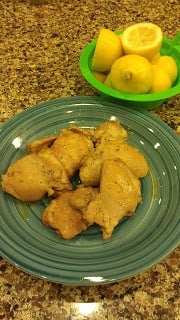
x=40 y=44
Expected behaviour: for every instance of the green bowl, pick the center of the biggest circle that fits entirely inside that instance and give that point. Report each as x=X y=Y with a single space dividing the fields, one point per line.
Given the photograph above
x=146 y=101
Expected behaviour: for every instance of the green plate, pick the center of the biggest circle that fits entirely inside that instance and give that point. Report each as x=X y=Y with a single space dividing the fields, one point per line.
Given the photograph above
x=137 y=243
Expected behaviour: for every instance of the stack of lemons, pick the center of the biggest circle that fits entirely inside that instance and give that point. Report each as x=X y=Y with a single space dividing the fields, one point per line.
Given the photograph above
x=131 y=62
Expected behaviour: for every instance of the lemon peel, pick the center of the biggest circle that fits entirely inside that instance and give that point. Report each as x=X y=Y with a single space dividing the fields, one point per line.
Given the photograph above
x=161 y=79
x=132 y=74
x=99 y=76
x=169 y=64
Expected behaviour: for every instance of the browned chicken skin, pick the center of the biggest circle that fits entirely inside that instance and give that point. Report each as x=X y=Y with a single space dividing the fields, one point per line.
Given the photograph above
x=111 y=144
x=49 y=166
x=110 y=130
x=82 y=196
x=20 y=181
x=90 y=170
x=118 y=197
x=61 y=216
x=40 y=144
x=35 y=175
x=70 y=147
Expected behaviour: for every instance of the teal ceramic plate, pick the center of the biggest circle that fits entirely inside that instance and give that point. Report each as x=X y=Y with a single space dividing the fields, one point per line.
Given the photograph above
x=137 y=243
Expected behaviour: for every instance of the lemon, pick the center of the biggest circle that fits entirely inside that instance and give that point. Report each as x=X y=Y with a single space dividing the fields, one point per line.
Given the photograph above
x=99 y=76
x=169 y=64
x=143 y=38
x=107 y=81
x=161 y=79
x=131 y=73
x=108 y=49
x=155 y=59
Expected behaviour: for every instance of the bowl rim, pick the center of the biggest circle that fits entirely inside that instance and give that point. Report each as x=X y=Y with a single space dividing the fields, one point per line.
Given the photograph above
x=103 y=89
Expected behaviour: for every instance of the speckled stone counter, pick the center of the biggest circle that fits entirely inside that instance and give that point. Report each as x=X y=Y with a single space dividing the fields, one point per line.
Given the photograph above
x=40 y=44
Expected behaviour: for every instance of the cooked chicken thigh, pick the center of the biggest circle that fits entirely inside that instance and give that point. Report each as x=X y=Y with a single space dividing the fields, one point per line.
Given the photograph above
x=118 y=197
x=40 y=144
x=61 y=216
x=70 y=147
x=35 y=175
x=49 y=166
x=82 y=196
x=110 y=130
x=91 y=167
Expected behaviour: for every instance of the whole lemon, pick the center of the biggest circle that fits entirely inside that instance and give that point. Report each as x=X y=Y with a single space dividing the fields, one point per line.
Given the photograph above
x=132 y=74
x=161 y=79
x=99 y=76
x=169 y=64
x=107 y=81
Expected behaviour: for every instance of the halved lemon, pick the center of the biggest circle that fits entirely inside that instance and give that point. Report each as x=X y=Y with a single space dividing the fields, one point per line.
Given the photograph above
x=108 y=49
x=144 y=39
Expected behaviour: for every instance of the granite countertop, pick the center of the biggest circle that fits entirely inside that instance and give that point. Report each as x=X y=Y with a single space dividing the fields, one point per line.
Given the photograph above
x=40 y=44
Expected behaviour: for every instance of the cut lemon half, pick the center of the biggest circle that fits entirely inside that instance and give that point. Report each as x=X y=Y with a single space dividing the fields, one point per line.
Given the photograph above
x=143 y=38
x=108 y=49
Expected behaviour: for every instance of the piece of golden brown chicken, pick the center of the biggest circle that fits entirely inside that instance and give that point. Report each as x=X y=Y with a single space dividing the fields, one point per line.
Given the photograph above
x=118 y=197
x=91 y=166
x=61 y=216
x=65 y=213
x=35 y=175
x=49 y=166
x=37 y=145
x=108 y=131
x=82 y=196
x=70 y=147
